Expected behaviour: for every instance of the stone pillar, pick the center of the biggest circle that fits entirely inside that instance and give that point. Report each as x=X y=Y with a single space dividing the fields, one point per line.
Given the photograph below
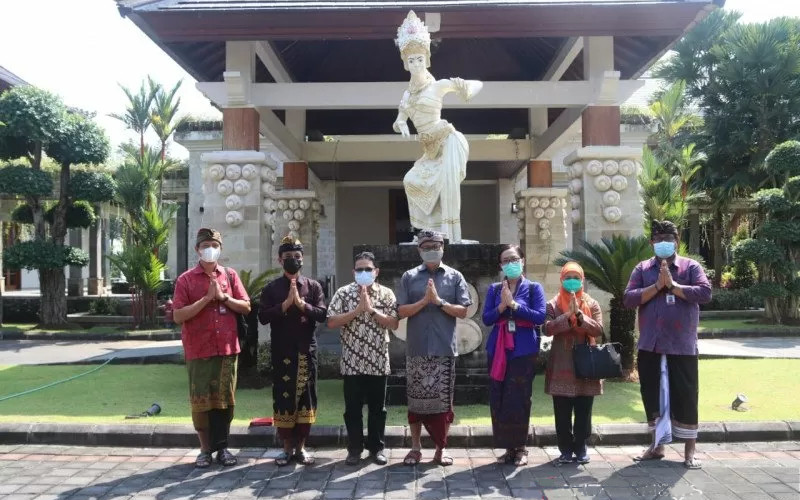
x=234 y=183
x=540 y=173
x=296 y=214
x=181 y=231
x=543 y=232
x=694 y=231
x=600 y=126
x=96 y=282
x=75 y=281
x=106 y=250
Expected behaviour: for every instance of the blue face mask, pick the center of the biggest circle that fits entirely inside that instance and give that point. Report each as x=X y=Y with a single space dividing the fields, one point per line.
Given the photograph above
x=513 y=270
x=365 y=278
x=664 y=249
x=572 y=285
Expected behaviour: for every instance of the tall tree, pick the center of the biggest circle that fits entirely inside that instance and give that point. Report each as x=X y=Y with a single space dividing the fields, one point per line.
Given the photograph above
x=138 y=114
x=39 y=123
x=165 y=121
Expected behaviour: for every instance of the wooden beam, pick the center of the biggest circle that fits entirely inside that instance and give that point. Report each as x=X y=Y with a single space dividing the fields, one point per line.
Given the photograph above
x=404 y=150
x=542 y=144
x=265 y=51
x=564 y=58
x=276 y=132
x=386 y=95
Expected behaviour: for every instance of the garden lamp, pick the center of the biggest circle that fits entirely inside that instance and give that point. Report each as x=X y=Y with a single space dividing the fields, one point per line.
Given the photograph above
x=738 y=402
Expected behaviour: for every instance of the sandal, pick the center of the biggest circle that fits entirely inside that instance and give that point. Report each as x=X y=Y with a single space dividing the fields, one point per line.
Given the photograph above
x=303 y=458
x=440 y=458
x=648 y=455
x=283 y=459
x=508 y=457
x=226 y=458
x=413 y=457
x=521 y=458
x=692 y=463
x=203 y=460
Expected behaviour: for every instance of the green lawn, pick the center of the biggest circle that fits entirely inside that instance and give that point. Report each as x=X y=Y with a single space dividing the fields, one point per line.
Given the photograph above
x=107 y=395
x=743 y=325
x=94 y=330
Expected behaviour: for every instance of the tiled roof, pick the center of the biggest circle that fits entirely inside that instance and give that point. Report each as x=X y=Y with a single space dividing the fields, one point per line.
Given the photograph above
x=10 y=78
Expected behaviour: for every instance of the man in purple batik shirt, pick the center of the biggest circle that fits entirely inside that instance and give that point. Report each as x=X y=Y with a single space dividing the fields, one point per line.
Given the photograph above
x=668 y=290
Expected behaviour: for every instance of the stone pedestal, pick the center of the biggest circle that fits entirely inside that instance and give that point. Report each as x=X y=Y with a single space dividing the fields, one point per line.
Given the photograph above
x=543 y=233
x=96 y=286
x=75 y=280
x=235 y=184
x=604 y=190
x=478 y=264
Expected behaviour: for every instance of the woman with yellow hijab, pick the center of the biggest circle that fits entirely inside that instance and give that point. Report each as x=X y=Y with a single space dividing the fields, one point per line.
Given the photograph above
x=572 y=318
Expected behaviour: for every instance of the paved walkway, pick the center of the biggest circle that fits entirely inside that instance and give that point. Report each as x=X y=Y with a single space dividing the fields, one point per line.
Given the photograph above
x=750 y=471
x=33 y=352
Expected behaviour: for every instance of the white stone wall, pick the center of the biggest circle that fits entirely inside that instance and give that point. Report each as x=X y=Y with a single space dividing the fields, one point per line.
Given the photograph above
x=507 y=221
x=326 y=243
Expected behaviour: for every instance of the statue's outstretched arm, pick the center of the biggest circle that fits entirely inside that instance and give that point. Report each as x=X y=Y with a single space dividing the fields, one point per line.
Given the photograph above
x=466 y=89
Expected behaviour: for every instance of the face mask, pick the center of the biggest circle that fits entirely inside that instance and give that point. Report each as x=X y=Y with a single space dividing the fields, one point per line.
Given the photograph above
x=664 y=249
x=210 y=254
x=292 y=265
x=572 y=285
x=365 y=278
x=432 y=256
x=512 y=270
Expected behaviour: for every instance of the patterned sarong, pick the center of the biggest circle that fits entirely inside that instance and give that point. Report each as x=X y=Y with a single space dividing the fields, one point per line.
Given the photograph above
x=510 y=403
x=430 y=383
x=212 y=383
x=294 y=390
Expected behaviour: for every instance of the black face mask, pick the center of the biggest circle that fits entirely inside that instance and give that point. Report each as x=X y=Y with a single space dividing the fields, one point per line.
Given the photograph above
x=292 y=265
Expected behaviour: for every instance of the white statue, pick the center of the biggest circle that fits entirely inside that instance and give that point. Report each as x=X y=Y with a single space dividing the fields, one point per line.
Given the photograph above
x=433 y=185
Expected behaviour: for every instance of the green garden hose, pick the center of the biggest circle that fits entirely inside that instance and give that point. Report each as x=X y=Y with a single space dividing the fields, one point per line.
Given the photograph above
x=57 y=382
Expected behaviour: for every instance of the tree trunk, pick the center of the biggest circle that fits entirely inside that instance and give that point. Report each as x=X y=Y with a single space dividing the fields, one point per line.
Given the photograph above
x=623 y=330
x=53 y=310
x=719 y=252
x=59 y=227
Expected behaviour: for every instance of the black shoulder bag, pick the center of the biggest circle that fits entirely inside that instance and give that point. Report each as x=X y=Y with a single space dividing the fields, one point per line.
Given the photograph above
x=595 y=362
x=241 y=322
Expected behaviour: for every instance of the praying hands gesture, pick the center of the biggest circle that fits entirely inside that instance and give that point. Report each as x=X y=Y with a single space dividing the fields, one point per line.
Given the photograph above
x=431 y=295
x=294 y=298
x=664 y=276
x=506 y=298
x=365 y=303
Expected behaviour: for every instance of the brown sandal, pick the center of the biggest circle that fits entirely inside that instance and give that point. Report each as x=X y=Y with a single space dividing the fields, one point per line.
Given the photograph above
x=440 y=458
x=413 y=458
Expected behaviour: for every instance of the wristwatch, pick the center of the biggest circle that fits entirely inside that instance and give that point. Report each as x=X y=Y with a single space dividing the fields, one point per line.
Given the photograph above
x=441 y=303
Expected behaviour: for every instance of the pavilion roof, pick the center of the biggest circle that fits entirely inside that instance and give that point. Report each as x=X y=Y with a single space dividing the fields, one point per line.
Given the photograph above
x=9 y=79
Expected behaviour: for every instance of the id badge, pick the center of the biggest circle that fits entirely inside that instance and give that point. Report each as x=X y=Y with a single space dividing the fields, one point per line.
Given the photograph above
x=512 y=326
x=223 y=310
x=670 y=299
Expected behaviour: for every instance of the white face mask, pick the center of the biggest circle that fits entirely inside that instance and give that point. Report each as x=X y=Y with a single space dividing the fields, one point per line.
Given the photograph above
x=210 y=254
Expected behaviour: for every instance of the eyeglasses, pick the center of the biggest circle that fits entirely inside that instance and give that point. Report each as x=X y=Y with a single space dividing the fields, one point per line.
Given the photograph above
x=510 y=260
x=437 y=246
x=664 y=237
x=364 y=269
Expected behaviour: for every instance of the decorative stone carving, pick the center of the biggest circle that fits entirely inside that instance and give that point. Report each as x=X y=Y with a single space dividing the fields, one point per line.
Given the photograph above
x=575 y=186
x=293 y=204
x=575 y=201
x=545 y=234
x=270 y=205
x=249 y=172
x=233 y=202
x=594 y=167
x=233 y=171
x=612 y=214
x=283 y=204
x=575 y=215
x=234 y=218
x=225 y=187
x=520 y=215
x=538 y=213
x=627 y=167
x=294 y=225
x=299 y=215
x=602 y=183
x=288 y=214
x=611 y=198
x=610 y=167
x=619 y=182
x=303 y=204
x=267 y=189
x=521 y=224
x=550 y=213
x=556 y=202
x=544 y=202
x=241 y=187
x=216 y=172
x=533 y=202
x=544 y=223
x=316 y=206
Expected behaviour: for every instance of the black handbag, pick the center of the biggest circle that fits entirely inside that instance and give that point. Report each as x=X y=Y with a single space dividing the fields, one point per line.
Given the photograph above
x=241 y=322
x=595 y=362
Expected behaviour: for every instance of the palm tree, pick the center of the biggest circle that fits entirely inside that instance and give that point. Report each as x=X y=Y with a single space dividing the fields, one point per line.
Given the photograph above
x=686 y=166
x=608 y=266
x=137 y=116
x=165 y=109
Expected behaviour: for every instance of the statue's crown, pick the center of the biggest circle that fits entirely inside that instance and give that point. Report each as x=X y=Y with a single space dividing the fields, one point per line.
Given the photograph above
x=413 y=34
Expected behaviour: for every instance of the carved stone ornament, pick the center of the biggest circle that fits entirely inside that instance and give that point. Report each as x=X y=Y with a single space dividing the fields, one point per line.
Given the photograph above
x=241 y=187
x=294 y=234
x=521 y=224
x=267 y=189
x=249 y=172
x=545 y=234
x=225 y=187
x=612 y=214
x=233 y=171
x=270 y=205
x=234 y=218
x=555 y=202
x=619 y=183
x=293 y=204
x=544 y=223
x=538 y=213
x=520 y=215
x=611 y=198
x=575 y=186
x=544 y=202
x=594 y=167
x=627 y=167
x=283 y=204
x=304 y=204
x=575 y=215
x=316 y=206
x=577 y=169
x=533 y=202
x=602 y=183
x=299 y=215
x=293 y=225
x=575 y=201
x=216 y=172
x=233 y=202
x=550 y=213
x=610 y=167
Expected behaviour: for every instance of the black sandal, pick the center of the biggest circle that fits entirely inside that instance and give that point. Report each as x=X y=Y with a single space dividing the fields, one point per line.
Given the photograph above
x=521 y=458
x=507 y=457
x=303 y=458
x=203 y=460
x=226 y=458
x=283 y=459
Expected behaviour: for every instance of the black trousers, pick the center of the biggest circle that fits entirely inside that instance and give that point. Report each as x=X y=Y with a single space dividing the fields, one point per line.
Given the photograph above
x=572 y=437
x=369 y=389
